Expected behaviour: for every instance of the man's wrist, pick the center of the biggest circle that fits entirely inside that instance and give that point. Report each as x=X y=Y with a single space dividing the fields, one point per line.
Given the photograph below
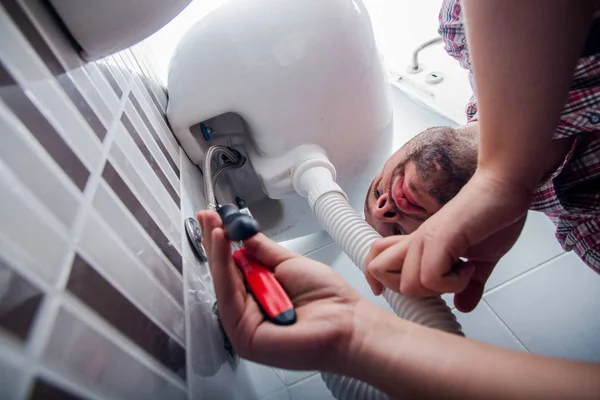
x=522 y=184
x=376 y=338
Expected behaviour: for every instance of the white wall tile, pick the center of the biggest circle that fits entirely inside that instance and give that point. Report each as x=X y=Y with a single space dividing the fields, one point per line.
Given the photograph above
x=28 y=160
x=283 y=394
x=152 y=145
x=121 y=78
x=146 y=184
x=25 y=222
x=554 y=309
x=291 y=377
x=535 y=246
x=41 y=87
x=152 y=112
x=411 y=118
x=311 y=388
x=106 y=252
x=244 y=381
x=307 y=244
x=90 y=92
x=118 y=62
x=123 y=164
x=104 y=89
x=137 y=240
x=11 y=379
x=88 y=356
x=39 y=228
x=262 y=379
x=483 y=325
x=333 y=256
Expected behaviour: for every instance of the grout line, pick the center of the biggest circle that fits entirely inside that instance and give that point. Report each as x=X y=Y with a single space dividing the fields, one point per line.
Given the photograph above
x=45 y=319
x=13 y=355
x=185 y=271
x=523 y=274
x=140 y=231
x=65 y=382
x=119 y=286
x=303 y=380
x=88 y=195
x=321 y=247
x=111 y=334
x=495 y=314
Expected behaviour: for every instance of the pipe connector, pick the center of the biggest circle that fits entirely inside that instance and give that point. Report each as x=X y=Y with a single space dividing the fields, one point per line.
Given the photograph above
x=313 y=178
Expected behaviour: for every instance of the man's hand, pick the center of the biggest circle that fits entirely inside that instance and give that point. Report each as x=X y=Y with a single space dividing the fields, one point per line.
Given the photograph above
x=480 y=224
x=326 y=305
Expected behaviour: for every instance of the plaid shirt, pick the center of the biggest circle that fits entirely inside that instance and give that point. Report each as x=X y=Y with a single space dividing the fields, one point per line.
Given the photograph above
x=570 y=197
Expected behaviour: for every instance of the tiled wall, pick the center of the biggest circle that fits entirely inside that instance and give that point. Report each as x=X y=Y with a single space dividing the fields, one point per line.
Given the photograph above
x=91 y=286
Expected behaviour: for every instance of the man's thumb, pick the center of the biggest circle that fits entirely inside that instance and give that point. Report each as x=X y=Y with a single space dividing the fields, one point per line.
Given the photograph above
x=267 y=252
x=467 y=300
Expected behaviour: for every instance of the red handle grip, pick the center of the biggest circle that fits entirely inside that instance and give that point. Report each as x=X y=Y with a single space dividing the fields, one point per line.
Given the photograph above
x=266 y=289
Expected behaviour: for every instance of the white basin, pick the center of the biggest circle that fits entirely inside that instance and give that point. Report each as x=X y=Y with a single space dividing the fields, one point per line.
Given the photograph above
x=103 y=27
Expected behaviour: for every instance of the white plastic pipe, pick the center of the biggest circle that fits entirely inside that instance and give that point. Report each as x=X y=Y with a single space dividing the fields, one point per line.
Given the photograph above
x=355 y=236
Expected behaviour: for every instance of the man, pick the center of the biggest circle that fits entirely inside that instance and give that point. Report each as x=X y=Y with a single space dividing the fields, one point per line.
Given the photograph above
x=429 y=170
x=340 y=332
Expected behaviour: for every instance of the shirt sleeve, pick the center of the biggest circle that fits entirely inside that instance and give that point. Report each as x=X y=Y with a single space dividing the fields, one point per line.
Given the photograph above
x=452 y=30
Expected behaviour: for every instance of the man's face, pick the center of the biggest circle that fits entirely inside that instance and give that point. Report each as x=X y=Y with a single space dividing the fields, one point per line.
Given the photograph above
x=418 y=180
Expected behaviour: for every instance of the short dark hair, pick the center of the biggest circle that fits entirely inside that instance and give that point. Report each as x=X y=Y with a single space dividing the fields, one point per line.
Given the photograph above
x=445 y=159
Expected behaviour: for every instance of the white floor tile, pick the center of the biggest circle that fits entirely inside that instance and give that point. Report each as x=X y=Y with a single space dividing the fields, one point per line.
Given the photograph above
x=481 y=324
x=535 y=246
x=554 y=310
x=311 y=389
x=290 y=377
x=308 y=243
x=333 y=256
x=244 y=381
x=283 y=394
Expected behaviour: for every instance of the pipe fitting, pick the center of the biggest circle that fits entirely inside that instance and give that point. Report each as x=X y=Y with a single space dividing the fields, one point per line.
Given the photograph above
x=313 y=178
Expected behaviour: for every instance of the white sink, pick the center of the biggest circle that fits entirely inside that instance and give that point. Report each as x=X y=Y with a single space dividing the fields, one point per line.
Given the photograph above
x=103 y=27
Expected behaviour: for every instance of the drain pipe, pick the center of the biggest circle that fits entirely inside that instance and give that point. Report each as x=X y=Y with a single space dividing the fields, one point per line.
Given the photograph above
x=315 y=179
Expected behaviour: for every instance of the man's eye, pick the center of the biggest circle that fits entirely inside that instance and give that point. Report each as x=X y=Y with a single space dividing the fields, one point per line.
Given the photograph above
x=398 y=231
x=377 y=193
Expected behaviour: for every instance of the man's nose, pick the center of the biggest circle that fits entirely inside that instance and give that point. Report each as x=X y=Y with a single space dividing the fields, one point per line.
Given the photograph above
x=383 y=209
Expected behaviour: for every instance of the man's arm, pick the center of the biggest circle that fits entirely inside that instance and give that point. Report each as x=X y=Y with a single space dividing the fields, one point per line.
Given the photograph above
x=411 y=361
x=523 y=55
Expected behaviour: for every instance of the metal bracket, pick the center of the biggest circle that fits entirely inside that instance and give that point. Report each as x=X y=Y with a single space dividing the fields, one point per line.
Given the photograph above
x=194 y=234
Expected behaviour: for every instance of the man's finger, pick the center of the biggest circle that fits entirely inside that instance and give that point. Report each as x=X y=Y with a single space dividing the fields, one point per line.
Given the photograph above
x=380 y=245
x=410 y=284
x=376 y=286
x=390 y=280
x=439 y=271
x=467 y=300
x=208 y=221
x=386 y=267
x=229 y=286
x=267 y=252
